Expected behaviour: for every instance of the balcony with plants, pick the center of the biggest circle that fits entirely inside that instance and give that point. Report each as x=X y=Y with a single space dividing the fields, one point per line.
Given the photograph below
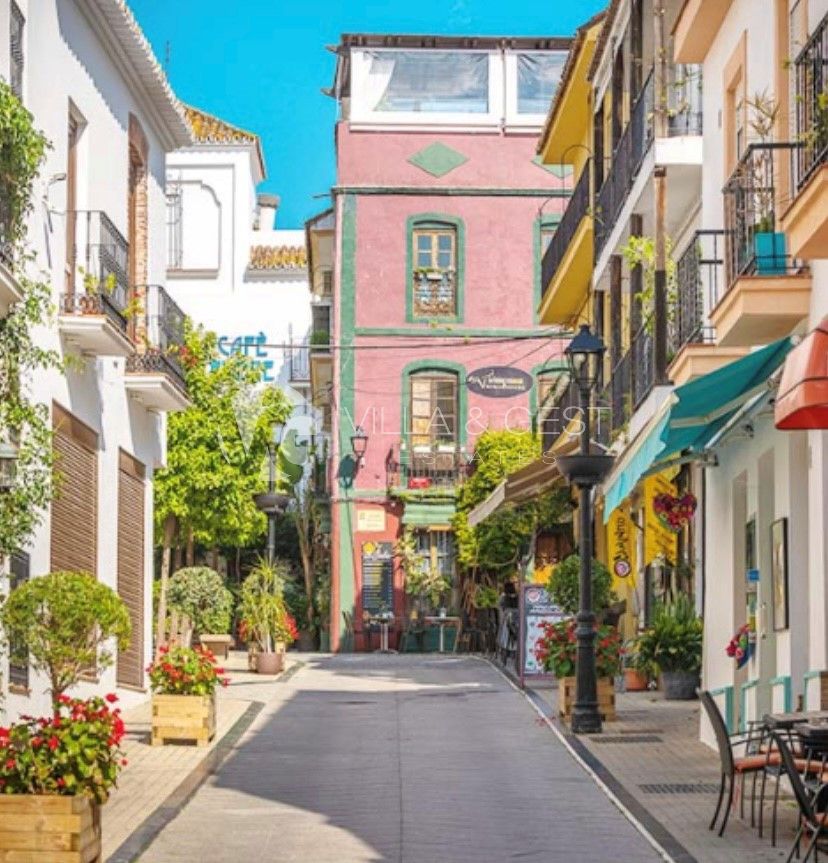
x=767 y=290
x=434 y=469
x=806 y=220
x=93 y=309
x=155 y=370
x=566 y=267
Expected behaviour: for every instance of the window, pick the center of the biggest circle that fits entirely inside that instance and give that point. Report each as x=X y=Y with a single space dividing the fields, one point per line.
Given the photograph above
x=434 y=276
x=18 y=655
x=433 y=409
x=538 y=77
x=428 y=82
x=17 y=23
x=175 y=254
x=436 y=548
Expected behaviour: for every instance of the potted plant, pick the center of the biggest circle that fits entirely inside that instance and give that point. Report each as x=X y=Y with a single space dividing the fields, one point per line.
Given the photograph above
x=637 y=669
x=673 y=644
x=564 y=585
x=201 y=594
x=556 y=652
x=65 y=625
x=269 y=626
x=184 y=682
x=55 y=773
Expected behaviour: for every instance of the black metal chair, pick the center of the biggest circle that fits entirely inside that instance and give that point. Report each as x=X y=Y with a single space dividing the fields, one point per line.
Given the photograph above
x=810 y=819
x=749 y=763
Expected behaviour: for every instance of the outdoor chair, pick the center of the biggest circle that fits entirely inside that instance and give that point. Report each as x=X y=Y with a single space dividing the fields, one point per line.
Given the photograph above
x=752 y=762
x=810 y=819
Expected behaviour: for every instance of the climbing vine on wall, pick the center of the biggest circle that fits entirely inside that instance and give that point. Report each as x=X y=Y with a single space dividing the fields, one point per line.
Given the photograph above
x=23 y=422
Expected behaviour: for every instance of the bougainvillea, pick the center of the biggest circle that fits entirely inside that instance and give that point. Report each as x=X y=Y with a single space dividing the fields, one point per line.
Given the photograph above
x=77 y=751
x=186 y=671
x=557 y=649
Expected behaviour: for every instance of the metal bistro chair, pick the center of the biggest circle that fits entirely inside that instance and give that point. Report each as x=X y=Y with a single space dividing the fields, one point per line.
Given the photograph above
x=810 y=819
x=731 y=764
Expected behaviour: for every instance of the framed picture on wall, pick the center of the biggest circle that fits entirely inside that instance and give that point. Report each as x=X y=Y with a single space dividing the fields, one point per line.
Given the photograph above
x=779 y=573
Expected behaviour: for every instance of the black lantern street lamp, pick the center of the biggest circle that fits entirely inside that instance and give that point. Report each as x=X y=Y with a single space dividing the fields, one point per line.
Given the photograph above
x=359 y=443
x=272 y=503
x=584 y=355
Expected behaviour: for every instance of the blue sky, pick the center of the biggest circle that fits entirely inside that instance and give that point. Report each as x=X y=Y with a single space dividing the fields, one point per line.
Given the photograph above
x=262 y=63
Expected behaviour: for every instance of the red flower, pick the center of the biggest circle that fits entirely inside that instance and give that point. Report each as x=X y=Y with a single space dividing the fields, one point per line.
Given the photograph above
x=124 y=762
x=11 y=764
x=53 y=743
x=61 y=782
x=4 y=733
x=111 y=697
x=37 y=741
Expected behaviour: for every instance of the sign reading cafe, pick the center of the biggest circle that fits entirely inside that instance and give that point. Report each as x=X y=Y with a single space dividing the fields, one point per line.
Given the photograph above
x=498 y=382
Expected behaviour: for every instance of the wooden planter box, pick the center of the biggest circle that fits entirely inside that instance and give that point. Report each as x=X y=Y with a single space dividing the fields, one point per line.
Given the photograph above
x=49 y=829
x=606 y=697
x=219 y=645
x=183 y=717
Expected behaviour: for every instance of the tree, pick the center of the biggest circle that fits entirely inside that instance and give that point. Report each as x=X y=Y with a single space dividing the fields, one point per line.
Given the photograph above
x=496 y=544
x=199 y=592
x=565 y=585
x=62 y=621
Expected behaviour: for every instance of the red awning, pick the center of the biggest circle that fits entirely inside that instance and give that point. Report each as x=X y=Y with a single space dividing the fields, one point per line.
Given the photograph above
x=802 y=400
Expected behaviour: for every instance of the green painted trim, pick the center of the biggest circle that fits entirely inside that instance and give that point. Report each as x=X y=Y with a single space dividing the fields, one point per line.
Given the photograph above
x=743 y=690
x=462 y=395
x=727 y=691
x=784 y=680
x=559 y=171
x=427 y=331
x=438 y=159
x=458 y=191
x=422 y=219
x=541 y=222
x=548 y=366
x=346 y=359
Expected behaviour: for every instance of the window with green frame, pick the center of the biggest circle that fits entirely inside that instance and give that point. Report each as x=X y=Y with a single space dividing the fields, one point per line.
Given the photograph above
x=435 y=251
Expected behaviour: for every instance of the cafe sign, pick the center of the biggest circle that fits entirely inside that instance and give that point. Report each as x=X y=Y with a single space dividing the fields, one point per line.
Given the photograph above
x=498 y=382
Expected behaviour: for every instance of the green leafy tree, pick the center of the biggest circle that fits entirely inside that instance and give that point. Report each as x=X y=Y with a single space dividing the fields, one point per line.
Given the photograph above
x=495 y=545
x=200 y=593
x=22 y=422
x=564 y=585
x=63 y=622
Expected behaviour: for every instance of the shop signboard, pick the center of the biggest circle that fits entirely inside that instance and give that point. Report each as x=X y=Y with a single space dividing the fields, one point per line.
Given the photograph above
x=536 y=608
x=498 y=382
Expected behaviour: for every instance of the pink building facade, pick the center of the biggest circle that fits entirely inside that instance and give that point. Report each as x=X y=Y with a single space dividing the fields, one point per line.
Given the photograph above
x=442 y=214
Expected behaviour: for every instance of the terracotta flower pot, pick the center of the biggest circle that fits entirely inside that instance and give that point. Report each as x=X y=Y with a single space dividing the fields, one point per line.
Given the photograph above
x=271 y=662
x=635 y=680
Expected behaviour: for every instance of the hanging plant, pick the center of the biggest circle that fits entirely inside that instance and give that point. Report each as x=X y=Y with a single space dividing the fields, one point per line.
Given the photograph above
x=674 y=512
x=640 y=252
x=741 y=646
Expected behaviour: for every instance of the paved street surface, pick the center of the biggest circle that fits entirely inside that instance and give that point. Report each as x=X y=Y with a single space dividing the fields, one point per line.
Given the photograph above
x=411 y=759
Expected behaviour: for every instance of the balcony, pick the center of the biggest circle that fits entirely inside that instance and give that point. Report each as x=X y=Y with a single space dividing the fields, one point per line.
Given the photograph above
x=441 y=466
x=92 y=313
x=558 y=413
x=698 y=23
x=692 y=348
x=767 y=292
x=806 y=220
x=154 y=376
x=627 y=186
x=297 y=360
x=10 y=290
x=566 y=268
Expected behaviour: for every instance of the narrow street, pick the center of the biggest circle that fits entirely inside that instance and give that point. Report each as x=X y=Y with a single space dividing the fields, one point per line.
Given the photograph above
x=380 y=758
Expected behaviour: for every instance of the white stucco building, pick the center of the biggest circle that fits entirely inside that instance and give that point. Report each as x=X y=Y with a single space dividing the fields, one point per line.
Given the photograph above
x=228 y=267
x=88 y=76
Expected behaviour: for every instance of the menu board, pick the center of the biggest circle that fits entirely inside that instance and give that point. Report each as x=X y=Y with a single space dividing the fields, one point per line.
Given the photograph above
x=536 y=608
x=377 y=576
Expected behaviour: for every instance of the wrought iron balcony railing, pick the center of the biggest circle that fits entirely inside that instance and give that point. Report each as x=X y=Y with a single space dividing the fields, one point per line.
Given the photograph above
x=556 y=415
x=98 y=277
x=811 y=74
x=576 y=209
x=754 y=244
x=165 y=336
x=297 y=358
x=435 y=292
x=440 y=465
x=700 y=278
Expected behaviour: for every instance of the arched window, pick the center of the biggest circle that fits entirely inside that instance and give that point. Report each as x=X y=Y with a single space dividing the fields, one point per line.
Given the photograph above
x=436 y=268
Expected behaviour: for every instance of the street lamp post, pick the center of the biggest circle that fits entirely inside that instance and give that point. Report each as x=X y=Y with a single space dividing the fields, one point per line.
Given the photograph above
x=272 y=503
x=585 y=470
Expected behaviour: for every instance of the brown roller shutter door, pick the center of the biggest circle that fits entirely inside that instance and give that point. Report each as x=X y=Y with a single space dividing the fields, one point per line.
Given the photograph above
x=74 y=535
x=130 y=669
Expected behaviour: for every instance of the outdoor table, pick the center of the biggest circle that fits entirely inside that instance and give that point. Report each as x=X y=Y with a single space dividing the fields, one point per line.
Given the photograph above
x=384 y=625
x=787 y=721
x=443 y=622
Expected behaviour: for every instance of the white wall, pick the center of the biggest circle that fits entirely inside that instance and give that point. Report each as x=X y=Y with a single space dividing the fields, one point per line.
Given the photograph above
x=66 y=62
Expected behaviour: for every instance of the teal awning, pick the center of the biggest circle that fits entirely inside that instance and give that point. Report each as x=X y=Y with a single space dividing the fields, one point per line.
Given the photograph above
x=698 y=410
x=428 y=513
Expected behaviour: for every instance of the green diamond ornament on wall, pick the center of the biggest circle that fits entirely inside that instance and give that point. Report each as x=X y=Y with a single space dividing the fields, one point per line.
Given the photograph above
x=437 y=159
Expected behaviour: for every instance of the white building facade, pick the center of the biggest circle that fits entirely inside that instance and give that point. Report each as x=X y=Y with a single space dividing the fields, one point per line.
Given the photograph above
x=88 y=76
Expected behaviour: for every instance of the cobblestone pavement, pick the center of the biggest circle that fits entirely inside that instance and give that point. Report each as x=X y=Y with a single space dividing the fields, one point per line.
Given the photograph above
x=654 y=753
x=430 y=759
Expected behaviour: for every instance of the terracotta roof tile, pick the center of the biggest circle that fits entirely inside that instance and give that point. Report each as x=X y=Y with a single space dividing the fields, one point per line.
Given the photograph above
x=278 y=258
x=208 y=129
